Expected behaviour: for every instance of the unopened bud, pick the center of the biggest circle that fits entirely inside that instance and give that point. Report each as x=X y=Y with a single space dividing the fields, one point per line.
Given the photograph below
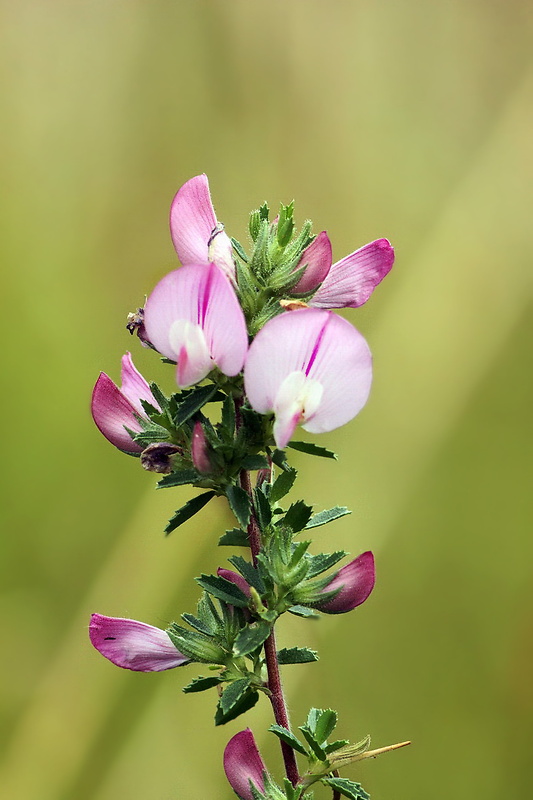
x=200 y=450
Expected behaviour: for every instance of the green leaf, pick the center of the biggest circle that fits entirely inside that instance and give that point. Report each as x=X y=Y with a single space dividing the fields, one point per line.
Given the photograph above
x=330 y=514
x=248 y=572
x=297 y=516
x=325 y=725
x=303 y=611
x=251 y=637
x=312 y=449
x=237 y=246
x=282 y=485
x=159 y=397
x=233 y=693
x=201 y=684
x=312 y=742
x=289 y=738
x=239 y=503
x=279 y=458
x=178 y=478
x=247 y=701
x=347 y=788
x=336 y=745
x=194 y=622
x=228 y=416
x=254 y=462
x=187 y=511
x=224 y=590
x=296 y=655
x=193 y=402
x=323 y=561
x=235 y=538
x=264 y=511
x=152 y=434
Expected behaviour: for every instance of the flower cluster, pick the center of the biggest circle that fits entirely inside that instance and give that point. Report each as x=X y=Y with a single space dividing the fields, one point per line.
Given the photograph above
x=256 y=334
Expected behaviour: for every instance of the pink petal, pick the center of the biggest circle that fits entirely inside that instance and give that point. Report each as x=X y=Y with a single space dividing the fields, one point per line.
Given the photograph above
x=235 y=578
x=134 y=387
x=134 y=645
x=351 y=281
x=111 y=411
x=327 y=349
x=192 y=220
x=200 y=450
x=203 y=296
x=318 y=259
x=243 y=763
x=355 y=580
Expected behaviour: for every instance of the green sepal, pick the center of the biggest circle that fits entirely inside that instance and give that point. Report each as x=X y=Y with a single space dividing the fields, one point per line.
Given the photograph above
x=187 y=511
x=236 y=537
x=312 y=449
x=283 y=484
x=297 y=655
x=237 y=246
x=289 y=738
x=328 y=515
x=239 y=503
x=199 y=624
x=197 y=646
x=248 y=572
x=245 y=703
x=224 y=590
x=179 y=478
x=285 y=227
x=323 y=561
x=297 y=516
x=347 y=788
x=251 y=637
x=201 y=684
x=303 y=611
x=193 y=401
x=254 y=462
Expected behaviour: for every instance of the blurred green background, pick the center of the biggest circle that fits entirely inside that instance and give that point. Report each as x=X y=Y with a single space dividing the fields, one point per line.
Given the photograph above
x=400 y=119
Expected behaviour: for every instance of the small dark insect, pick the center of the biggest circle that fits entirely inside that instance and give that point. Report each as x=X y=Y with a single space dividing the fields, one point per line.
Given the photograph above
x=135 y=320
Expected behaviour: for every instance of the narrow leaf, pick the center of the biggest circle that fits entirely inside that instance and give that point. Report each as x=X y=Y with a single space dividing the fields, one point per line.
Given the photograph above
x=297 y=516
x=237 y=246
x=233 y=693
x=264 y=511
x=313 y=744
x=283 y=484
x=303 y=611
x=193 y=402
x=289 y=738
x=312 y=449
x=254 y=462
x=279 y=458
x=225 y=590
x=187 y=511
x=247 y=701
x=194 y=622
x=347 y=788
x=178 y=478
x=248 y=572
x=239 y=503
x=251 y=637
x=323 y=561
x=201 y=684
x=330 y=514
x=296 y=655
x=235 y=538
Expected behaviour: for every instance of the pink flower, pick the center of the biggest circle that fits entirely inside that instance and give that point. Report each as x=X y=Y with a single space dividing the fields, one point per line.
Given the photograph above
x=243 y=765
x=134 y=645
x=310 y=367
x=350 y=281
x=193 y=317
x=355 y=581
x=115 y=409
x=197 y=236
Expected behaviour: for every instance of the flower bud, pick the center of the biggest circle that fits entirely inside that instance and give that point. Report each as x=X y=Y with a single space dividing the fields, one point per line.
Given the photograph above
x=159 y=457
x=243 y=765
x=200 y=450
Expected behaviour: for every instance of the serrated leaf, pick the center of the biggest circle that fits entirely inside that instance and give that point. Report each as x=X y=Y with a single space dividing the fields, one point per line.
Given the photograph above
x=247 y=701
x=248 y=572
x=235 y=538
x=224 y=590
x=279 y=458
x=194 y=622
x=289 y=738
x=187 y=511
x=193 y=402
x=282 y=485
x=251 y=637
x=239 y=503
x=264 y=511
x=254 y=462
x=201 y=684
x=233 y=693
x=151 y=435
x=303 y=611
x=297 y=516
x=312 y=449
x=159 y=397
x=297 y=655
x=347 y=788
x=179 y=478
x=325 y=725
x=312 y=742
x=228 y=416
x=323 y=561
x=329 y=515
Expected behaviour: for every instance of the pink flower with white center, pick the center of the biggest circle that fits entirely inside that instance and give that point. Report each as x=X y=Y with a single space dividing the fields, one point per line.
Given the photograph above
x=197 y=235
x=115 y=409
x=243 y=765
x=134 y=645
x=355 y=581
x=193 y=317
x=350 y=281
x=309 y=367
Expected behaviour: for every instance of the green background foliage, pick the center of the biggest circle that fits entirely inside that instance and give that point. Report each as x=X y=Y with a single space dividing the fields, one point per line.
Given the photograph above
x=400 y=119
